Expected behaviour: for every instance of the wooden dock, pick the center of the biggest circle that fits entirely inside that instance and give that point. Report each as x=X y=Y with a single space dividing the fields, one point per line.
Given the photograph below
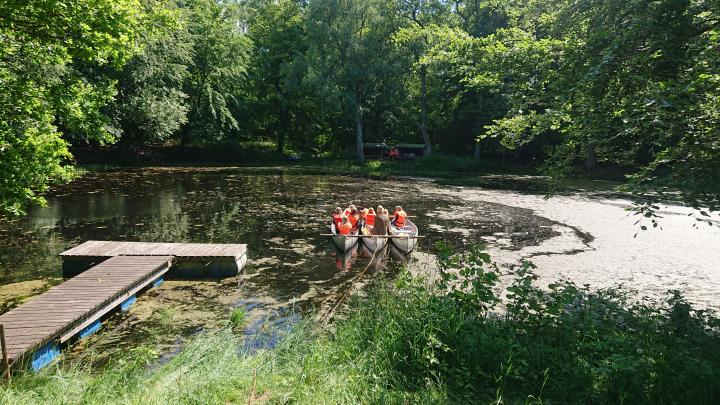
x=191 y=259
x=40 y=325
x=97 y=248
x=106 y=275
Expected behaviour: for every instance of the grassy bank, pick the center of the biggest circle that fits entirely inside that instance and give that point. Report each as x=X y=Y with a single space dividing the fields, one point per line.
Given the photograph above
x=447 y=169
x=264 y=154
x=408 y=342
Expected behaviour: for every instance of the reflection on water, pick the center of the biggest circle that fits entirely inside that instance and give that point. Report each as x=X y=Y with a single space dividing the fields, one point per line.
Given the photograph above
x=279 y=216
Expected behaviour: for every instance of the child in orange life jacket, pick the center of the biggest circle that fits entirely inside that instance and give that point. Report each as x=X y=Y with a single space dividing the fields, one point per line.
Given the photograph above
x=345 y=227
x=399 y=217
x=370 y=217
x=337 y=217
x=354 y=217
x=349 y=210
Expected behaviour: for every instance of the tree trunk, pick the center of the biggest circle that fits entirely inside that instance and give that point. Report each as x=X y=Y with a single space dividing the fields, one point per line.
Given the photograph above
x=280 y=142
x=359 y=133
x=591 y=160
x=423 y=111
x=284 y=128
x=477 y=125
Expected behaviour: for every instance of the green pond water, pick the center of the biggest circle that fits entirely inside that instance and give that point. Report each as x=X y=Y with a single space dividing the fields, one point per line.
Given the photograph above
x=291 y=271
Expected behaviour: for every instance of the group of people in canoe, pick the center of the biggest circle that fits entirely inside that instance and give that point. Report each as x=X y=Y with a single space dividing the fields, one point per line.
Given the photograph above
x=367 y=221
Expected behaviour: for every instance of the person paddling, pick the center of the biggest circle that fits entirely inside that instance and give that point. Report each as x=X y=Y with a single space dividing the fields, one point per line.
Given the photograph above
x=399 y=217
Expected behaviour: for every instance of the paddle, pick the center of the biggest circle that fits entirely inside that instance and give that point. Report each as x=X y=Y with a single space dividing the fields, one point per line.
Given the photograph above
x=373 y=236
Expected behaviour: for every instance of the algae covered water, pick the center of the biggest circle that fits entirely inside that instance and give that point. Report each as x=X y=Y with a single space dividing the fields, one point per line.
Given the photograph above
x=292 y=270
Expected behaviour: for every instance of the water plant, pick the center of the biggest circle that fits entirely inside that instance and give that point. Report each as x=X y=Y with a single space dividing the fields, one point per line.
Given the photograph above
x=237 y=317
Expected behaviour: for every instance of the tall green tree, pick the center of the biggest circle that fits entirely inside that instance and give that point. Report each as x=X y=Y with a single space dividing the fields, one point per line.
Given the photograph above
x=621 y=82
x=423 y=17
x=44 y=99
x=277 y=31
x=350 y=53
x=151 y=105
x=217 y=75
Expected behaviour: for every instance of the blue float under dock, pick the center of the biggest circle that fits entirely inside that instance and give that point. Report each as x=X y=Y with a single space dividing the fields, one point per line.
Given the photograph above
x=106 y=276
x=35 y=330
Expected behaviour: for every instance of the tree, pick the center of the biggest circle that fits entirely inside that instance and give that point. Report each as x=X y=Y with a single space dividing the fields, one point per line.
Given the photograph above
x=617 y=81
x=425 y=16
x=349 y=53
x=44 y=100
x=277 y=30
x=218 y=72
x=151 y=105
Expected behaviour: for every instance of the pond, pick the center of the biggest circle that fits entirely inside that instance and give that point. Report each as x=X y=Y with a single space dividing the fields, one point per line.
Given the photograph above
x=292 y=269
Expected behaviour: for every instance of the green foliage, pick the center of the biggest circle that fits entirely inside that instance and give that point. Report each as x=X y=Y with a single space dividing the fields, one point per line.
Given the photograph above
x=349 y=56
x=218 y=71
x=92 y=71
x=237 y=317
x=44 y=94
x=620 y=83
x=455 y=341
x=466 y=280
x=279 y=106
x=566 y=344
x=151 y=105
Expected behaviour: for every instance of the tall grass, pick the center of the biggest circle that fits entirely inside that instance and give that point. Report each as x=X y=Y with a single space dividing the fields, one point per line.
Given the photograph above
x=405 y=342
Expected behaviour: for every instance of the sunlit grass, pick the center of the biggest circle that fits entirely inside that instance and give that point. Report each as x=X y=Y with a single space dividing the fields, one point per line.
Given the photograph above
x=237 y=317
x=406 y=343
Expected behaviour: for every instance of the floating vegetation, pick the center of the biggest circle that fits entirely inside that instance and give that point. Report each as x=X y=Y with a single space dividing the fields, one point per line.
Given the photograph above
x=278 y=216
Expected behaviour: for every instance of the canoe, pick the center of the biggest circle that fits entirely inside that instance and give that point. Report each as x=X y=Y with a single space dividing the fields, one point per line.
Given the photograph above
x=344 y=260
x=405 y=239
x=343 y=242
x=395 y=254
x=374 y=244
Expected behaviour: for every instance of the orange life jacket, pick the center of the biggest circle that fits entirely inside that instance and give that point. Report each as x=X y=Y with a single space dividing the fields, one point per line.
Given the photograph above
x=400 y=218
x=370 y=219
x=344 y=229
x=353 y=220
x=337 y=219
x=347 y=212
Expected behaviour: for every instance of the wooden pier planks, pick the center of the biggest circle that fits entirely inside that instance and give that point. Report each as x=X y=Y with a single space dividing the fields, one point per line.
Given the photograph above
x=78 y=301
x=94 y=248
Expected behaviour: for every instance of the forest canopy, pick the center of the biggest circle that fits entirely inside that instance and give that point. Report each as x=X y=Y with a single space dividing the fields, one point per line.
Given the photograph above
x=570 y=83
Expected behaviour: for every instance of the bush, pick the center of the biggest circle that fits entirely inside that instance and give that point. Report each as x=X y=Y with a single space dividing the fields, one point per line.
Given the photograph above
x=567 y=345
x=456 y=340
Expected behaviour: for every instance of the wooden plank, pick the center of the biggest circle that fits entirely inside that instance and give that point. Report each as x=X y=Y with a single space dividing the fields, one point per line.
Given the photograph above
x=112 y=248
x=110 y=306
x=69 y=307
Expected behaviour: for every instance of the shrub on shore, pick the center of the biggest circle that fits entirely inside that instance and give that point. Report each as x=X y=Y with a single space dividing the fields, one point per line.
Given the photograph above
x=454 y=341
